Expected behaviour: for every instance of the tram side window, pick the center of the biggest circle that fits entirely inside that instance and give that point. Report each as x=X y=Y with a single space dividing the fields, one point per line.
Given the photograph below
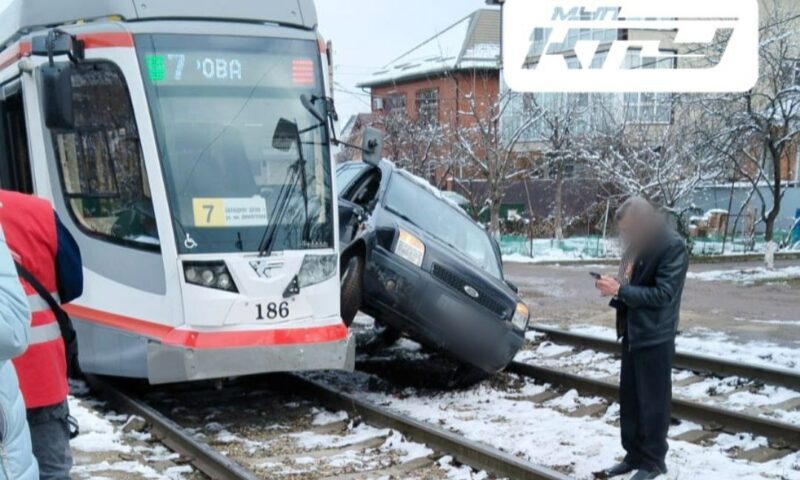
x=102 y=170
x=15 y=168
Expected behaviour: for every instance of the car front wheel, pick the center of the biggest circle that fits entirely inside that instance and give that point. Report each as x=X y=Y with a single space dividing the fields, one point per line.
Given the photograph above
x=385 y=333
x=351 y=279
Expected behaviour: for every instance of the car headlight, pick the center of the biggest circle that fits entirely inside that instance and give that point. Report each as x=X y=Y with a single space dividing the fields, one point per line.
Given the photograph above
x=316 y=269
x=209 y=274
x=521 y=317
x=410 y=248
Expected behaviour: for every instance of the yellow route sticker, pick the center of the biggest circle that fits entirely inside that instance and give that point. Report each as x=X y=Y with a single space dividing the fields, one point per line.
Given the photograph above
x=229 y=212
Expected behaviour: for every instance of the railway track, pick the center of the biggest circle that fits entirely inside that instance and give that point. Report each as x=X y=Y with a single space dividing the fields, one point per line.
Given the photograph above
x=782 y=435
x=187 y=437
x=698 y=363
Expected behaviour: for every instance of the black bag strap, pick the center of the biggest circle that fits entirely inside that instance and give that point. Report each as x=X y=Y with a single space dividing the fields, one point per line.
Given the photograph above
x=67 y=333
x=46 y=295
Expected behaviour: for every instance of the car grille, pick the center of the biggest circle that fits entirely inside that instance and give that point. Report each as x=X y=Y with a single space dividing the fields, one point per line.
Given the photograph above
x=458 y=283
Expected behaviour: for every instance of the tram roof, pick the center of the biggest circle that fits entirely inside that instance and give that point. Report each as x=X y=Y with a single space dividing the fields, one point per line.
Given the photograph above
x=18 y=17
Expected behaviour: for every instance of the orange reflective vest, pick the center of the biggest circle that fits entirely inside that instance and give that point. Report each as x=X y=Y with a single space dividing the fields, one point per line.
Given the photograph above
x=30 y=227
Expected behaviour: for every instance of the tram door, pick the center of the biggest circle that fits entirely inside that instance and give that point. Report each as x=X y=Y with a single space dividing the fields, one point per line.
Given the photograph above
x=15 y=166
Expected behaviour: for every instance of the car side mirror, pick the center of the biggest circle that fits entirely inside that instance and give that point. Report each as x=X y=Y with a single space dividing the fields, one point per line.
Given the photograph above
x=512 y=286
x=372 y=146
x=57 y=96
x=285 y=135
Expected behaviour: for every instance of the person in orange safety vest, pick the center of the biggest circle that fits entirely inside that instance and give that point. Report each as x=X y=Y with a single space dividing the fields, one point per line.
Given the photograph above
x=42 y=246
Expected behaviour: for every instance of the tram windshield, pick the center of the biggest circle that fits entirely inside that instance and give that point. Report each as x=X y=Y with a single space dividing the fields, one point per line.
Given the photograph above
x=216 y=103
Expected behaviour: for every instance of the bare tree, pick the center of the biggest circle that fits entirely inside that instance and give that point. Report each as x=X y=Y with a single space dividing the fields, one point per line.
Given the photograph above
x=759 y=130
x=560 y=133
x=413 y=144
x=490 y=152
x=663 y=162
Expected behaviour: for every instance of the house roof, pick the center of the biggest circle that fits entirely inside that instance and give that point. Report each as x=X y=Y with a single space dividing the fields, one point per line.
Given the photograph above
x=354 y=123
x=471 y=43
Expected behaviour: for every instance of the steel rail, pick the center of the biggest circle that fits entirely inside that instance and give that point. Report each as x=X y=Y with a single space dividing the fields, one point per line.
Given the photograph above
x=203 y=457
x=474 y=454
x=726 y=420
x=687 y=361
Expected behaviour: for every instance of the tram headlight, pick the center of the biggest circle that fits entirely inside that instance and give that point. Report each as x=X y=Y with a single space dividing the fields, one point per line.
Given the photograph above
x=209 y=274
x=316 y=269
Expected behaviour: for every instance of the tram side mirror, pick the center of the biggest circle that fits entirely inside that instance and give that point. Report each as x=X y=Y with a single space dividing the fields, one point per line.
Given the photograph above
x=57 y=96
x=372 y=146
x=285 y=135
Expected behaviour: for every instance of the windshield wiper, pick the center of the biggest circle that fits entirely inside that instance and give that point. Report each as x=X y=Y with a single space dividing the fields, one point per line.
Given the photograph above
x=296 y=174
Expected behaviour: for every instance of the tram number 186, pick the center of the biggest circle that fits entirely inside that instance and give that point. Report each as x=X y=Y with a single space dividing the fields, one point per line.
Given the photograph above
x=272 y=311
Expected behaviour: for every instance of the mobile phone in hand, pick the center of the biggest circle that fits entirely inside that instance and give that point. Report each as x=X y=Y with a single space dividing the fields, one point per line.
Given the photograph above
x=595 y=275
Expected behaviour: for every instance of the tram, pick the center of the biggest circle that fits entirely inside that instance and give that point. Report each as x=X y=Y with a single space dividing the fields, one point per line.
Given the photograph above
x=186 y=147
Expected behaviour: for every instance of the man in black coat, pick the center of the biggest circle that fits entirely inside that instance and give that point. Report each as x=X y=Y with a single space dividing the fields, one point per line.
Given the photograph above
x=647 y=296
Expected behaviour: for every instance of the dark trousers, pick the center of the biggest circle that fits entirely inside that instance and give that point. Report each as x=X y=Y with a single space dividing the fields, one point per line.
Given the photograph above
x=50 y=437
x=645 y=392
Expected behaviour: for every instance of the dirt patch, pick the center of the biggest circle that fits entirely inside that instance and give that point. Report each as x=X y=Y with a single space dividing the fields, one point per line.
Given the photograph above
x=765 y=311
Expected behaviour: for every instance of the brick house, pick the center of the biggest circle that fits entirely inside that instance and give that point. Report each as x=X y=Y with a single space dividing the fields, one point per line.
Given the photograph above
x=353 y=133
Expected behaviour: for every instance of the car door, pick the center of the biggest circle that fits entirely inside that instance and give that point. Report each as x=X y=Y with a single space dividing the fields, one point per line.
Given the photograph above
x=347 y=175
x=356 y=200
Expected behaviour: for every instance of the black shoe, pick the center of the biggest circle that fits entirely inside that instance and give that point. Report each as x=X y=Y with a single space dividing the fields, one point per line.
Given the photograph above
x=619 y=469
x=647 y=474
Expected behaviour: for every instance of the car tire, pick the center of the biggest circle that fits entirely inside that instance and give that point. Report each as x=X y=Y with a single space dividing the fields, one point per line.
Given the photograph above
x=351 y=284
x=466 y=376
x=385 y=333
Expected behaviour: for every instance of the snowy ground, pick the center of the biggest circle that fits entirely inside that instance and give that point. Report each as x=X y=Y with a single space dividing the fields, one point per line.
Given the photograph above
x=579 y=435
x=307 y=442
x=732 y=393
x=114 y=446
x=266 y=428
x=586 y=248
x=747 y=276
x=702 y=341
x=516 y=416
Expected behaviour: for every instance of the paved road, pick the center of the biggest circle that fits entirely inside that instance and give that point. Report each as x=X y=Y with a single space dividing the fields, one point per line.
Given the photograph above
x=771 y=311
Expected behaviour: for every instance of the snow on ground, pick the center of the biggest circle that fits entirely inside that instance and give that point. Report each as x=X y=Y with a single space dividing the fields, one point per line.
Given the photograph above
x=703 y=341
x=103 y=449
x=546 y=434
x=747 y=277
x=98 y=434
x=545 y=250
x=732 y=393
x=321 y=444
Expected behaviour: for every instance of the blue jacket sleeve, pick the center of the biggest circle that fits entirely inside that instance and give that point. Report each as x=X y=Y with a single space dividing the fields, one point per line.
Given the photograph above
x=15 y=316
x=69 y=267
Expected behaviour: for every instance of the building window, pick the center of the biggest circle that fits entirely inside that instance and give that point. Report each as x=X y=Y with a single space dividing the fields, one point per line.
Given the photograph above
x=100 y=159
x=795 y=72
x=428 y=106
x=396 y=103
x=648 y=107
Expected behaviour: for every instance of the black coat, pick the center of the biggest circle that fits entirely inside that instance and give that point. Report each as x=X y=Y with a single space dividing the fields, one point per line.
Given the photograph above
x=650 y=305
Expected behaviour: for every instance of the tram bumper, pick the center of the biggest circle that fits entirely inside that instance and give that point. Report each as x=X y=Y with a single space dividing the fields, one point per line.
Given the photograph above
x=172 y=364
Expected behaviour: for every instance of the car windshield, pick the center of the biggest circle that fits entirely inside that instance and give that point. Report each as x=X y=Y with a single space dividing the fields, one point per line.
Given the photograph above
x=216 y=102
x=419 y=205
